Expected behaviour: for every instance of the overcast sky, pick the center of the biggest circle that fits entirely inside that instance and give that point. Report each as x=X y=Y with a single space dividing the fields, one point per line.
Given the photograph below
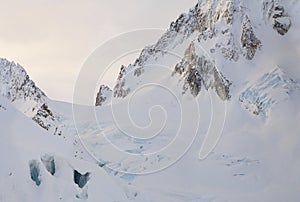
x=52 y=38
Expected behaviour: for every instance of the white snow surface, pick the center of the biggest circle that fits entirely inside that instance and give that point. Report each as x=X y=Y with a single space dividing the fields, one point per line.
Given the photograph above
x=145 y=146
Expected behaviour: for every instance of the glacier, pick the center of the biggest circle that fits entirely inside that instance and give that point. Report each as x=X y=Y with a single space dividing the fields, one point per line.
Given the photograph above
x=218 y=122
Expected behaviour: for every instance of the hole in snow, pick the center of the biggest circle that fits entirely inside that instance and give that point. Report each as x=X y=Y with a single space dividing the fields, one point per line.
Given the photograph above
x=34 y=167
x=80 y=179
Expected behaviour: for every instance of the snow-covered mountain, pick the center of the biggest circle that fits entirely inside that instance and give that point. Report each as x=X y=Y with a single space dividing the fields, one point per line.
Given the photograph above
x=42 y=157
x=240 y=53
x=103 y=96
x=17 y=87
x=230 y=32
x=38 y=166
x=225 y=72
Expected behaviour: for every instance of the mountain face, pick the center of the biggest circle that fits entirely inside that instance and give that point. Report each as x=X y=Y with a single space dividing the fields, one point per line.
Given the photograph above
x=242 y=54
x=236 y=55
x=16 y=85
x=103 y=96
x=279 y=18
x=18 y=88
x=199 y=71
x=230 y=30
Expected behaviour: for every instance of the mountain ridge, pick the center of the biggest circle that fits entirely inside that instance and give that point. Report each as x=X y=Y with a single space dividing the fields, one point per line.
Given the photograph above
x=227 y=62
x=213 y=36
x=229 y=28
x=22 y=92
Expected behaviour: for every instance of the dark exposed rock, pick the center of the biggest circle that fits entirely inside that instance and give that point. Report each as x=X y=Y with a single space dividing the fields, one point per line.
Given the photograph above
x=193 y=81
x=43 y=116
x=138 y=71
x=281 y=28
x=17 y=82
x=276 y=13
x=248 y=39
x=120 y=90
x=104 y=95
x=228 y=12
x=2 y=107
x=198 y=71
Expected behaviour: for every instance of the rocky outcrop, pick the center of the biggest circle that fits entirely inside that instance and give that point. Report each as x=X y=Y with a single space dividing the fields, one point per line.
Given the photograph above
x=43 y=114
x=276 y=13
x=250 y=42
x=16 y=84
x=18 y=88
x=2 y=107
x=103 y=96
x=45 y=118
x=199 y=72
x=120 y=91
x=225 y=24
x=230 y=28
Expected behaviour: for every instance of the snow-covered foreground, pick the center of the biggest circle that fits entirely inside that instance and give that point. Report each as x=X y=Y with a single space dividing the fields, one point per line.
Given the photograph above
x=25 y=145
x=209 y=113
x=255 y=159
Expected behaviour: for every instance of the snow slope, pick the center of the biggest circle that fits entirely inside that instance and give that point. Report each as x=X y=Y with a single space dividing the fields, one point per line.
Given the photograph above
x=23 y=142
x=226 y=55
x=208 y=113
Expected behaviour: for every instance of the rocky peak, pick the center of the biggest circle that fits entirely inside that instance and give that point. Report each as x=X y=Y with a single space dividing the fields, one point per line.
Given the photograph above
x=18 y=88
x=16 y=84
x=226 y=28
x=103 y=96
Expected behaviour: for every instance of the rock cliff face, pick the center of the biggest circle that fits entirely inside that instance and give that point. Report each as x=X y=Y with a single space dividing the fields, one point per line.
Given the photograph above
x=103 y=96
x=229 y=28
x=199 y=71
x=275 y=12
x=46 y=119
x=16 y=85
x=250 y=43
x=18 y=88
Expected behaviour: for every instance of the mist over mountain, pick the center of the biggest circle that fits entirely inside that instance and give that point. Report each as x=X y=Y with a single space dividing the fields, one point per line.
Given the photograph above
x=222 y=83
